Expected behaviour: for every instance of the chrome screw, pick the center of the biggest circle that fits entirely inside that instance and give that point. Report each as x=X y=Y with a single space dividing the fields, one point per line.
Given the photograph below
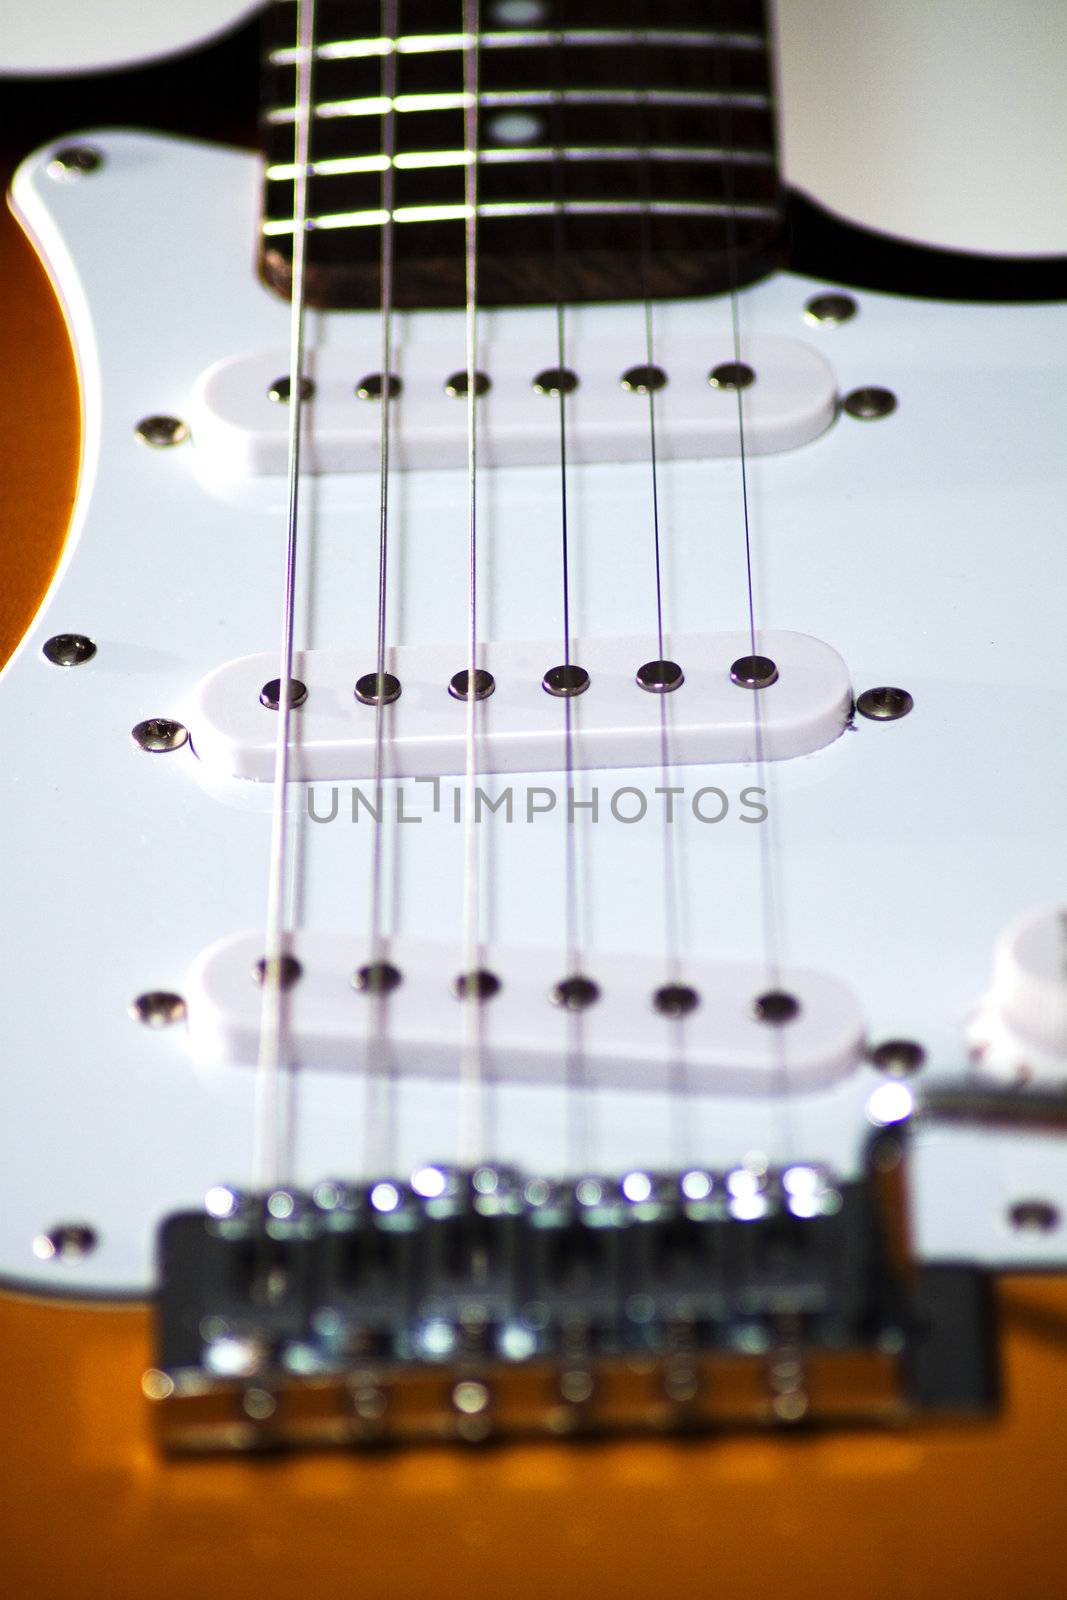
x=161 y=433
x=827 y=310
x=158 y=1008
x=159 y=733
x=75 y=161
x=67 y=1241
x=68 y=649
x=884 y=704
x=868 y=404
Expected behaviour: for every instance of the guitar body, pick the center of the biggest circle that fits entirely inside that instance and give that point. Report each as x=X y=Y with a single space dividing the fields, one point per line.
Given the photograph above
x=919 y=545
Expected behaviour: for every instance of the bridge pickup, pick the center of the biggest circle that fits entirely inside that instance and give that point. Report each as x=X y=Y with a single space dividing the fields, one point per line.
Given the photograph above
x=521 y=726
x=632 y=1035
x=474 y=1305
x=240 y=431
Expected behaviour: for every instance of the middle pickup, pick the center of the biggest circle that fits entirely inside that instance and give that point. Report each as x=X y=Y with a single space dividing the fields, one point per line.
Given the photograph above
x=712 y=700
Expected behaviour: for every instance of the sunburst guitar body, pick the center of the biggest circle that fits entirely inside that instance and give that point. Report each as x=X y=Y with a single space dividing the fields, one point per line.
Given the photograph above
x=534 y=978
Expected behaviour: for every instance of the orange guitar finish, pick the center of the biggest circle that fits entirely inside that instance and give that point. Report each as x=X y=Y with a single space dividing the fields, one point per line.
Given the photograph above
x=91 y=1511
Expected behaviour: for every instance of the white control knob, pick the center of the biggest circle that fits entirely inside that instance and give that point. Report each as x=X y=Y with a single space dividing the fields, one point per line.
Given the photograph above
x=1020 y=1030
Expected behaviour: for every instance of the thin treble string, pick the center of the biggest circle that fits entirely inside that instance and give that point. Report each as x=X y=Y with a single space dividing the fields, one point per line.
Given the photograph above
x=472 y=1094
x=577 y=1129
x=376 y=1128
x=269 y=1160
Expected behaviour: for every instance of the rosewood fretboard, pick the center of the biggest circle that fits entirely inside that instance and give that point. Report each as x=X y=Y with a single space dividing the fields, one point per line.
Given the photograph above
x=626 y=147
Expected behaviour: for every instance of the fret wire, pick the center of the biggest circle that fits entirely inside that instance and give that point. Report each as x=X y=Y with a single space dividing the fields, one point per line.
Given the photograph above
x=435 y=43
x=416 y=160
x=523 y=208
x=493 y=99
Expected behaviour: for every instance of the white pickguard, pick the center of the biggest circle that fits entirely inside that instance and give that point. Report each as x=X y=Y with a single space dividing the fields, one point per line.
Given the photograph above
x=926 y=548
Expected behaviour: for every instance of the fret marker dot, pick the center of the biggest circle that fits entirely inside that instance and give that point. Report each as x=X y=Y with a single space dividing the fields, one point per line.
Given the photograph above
x=515 y=127
x=565 y=682
x=660 y=677
x=370 y=689
x=373 y=386
x=484 y=684
x=754 y=672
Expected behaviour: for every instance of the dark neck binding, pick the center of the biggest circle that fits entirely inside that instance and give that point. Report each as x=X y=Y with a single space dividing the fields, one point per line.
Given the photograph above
x=626 y=150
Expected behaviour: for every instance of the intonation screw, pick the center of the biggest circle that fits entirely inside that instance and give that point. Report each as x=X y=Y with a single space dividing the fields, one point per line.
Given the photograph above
x=827 y=310
x=159 y=733
x=754 y=672
x=565 y=682
x=484 y=684
x=75 y=161
x=281 y=389
x=731 y=375
x=158 y=1008
x=660 y=677
x=775 y=1007
x=480 y=985
x=373 y=386
x=898 y=1057
x=370 y=689
x=556 y=380
x=161 y=432
x=644 y=380
x=576 y=993
x=675 y=1000
x=884 y=704
x=456 y=385
x=869 y=404
x=67 y=1241
x=378 y=977
x=68 y=650
x=287 y=968
x=271 y=693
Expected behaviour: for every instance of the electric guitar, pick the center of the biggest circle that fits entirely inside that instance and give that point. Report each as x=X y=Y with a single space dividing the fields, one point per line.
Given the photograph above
x=535 y=972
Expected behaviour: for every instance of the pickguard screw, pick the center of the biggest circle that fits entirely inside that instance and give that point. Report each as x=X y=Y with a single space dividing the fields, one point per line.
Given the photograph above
x=287 y=967
x=675 y=1000
x=868 y=404
x=158 y=1008
x=1034 y=1216
x=161 y=433
x=75 y=161
x=565 y=682
x=828 y=310
x=484 y=684
x=644 y=380
x=271 y=693
x=281 y=389
x=378 y=977
x=370 y=689
x=775 y=1007
x=898 y=1057
x=480 y=985
x=67 y=1241
x=660 y=677
x=372 y=386
x=159 y=733
x=754 y=672
x=884 y=704
x=556 y=381
x=731 y=375
x=575 y=994
x=68 y=650
x=456 y=385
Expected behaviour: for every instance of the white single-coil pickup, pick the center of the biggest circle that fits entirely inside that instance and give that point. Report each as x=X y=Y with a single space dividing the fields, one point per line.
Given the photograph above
x=622 y=1038
x=521 y=727
x=240 y=430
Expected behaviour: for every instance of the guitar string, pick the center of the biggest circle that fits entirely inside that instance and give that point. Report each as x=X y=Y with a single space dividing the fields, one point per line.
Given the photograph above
x=680 y=1130
x=770 y=897
x=577 y=1114
x=380 y=1110
x=472 y=1118
x=270 y=1161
